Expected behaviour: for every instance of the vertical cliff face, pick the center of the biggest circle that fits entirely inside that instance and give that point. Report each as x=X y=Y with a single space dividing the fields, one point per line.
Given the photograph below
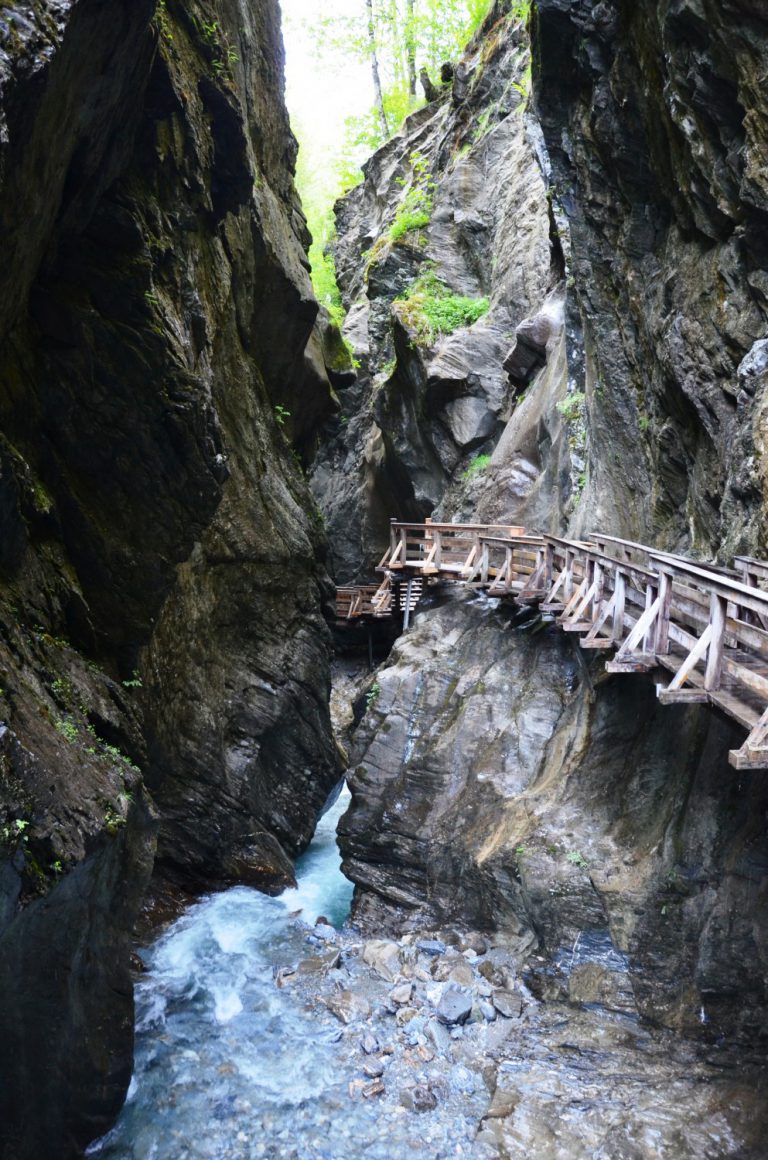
x=655 y=118
x=431 y=390
x=160 y=579
x=502 y=782
x=497 y=779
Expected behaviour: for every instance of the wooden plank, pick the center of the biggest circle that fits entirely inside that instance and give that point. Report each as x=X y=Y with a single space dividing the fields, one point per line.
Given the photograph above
x=631 y=663
x=683 y=696
x=735 y=707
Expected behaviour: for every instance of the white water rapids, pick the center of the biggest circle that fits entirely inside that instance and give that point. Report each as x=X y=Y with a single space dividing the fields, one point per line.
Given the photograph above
x=227 y=1064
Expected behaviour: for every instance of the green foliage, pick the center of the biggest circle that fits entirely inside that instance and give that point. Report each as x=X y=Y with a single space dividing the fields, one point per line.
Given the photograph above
x=161 y=22
x=68 y=729
x=372 y=696
x=572 y=407
x=415 y=210
x=576 y=859
x=281 y=414
x=62 y=689
x=424 y=34
x=15 y=831
x=222 y=55
x=135 y=682
x=521 y=10
x=476 y=467
x=430 y=308
x=113 y=821
x=324 y=280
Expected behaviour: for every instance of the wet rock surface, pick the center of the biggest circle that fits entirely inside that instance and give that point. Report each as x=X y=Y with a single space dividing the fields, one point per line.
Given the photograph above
x=655 y=123
x=552 y=1080
x=499 y=780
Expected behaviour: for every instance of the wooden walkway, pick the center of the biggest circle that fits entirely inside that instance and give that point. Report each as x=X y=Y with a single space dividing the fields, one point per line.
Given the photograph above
x=705 y=627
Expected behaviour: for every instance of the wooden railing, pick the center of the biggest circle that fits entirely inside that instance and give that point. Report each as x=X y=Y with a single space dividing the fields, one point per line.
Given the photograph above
x=364 y=600
x=706 y=626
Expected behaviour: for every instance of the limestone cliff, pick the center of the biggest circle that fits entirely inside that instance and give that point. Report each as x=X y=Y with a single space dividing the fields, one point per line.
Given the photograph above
x=160 y=577
x=656 y=122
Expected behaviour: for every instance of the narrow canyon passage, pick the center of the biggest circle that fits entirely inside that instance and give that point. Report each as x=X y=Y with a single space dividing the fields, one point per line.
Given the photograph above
x=282 y=281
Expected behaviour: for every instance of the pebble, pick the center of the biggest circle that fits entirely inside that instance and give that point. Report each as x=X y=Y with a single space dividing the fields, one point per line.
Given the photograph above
x=373 y=1068
x=370 y=1044
x=402 y=994
x=373 y=1089
x=405 y=1015
x=348 y=1006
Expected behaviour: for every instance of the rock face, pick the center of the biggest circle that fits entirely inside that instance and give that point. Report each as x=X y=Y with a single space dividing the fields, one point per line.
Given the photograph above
x=501 y=783
x=424 y=402
x=160 y=579
x=655 y=118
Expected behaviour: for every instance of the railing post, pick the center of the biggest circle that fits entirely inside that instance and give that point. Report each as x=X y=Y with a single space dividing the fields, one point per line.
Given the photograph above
x=549 y=565
x=620 y=600
x=661 y=642
x=485 y=563
x=651 y=593
x=404 y=544
x=568 y=592
x=717 y=615
x=392 y=537
x=598 y=577
x=438 y=556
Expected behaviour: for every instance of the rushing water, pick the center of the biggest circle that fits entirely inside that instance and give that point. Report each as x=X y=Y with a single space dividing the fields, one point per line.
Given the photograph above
x=226 y=1061
x=244 y=1050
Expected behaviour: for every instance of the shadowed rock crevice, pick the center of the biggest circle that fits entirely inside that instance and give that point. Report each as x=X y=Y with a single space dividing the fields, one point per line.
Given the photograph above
x=162 y=571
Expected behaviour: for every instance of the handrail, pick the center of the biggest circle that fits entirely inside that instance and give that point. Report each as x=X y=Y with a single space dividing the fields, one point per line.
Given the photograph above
x=705 y=624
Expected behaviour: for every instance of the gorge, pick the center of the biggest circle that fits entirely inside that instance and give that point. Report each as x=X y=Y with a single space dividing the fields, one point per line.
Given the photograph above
x=569 y=334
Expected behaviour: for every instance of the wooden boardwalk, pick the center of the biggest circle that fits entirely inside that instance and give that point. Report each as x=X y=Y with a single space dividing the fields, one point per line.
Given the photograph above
x=704 y=627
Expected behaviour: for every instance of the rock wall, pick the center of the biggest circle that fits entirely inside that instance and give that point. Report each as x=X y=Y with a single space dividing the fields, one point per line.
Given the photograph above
x=655 y=120
x=425 y=403
x=502 y=782
x=497 y=779
x=161 y=574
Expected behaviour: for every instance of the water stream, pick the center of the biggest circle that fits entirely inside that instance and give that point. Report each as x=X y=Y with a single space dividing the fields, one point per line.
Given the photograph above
x=222 y=1054
x=261 y=1034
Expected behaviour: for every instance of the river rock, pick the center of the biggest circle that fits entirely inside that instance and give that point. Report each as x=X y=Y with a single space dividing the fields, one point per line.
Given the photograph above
x=384 y=958
x=508 y=1003
x=455 y=1006
x=317 y=964
x=431 y=946
x=401 y=995
x=349 y=1006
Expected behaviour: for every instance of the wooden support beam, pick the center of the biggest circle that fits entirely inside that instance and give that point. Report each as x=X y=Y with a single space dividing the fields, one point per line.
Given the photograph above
x=718 y=610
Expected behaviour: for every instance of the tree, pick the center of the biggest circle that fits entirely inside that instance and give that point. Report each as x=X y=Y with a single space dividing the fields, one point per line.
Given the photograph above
x=373 y=50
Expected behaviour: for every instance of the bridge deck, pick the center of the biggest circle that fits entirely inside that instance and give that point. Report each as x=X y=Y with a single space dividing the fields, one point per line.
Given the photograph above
x=705 y=626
